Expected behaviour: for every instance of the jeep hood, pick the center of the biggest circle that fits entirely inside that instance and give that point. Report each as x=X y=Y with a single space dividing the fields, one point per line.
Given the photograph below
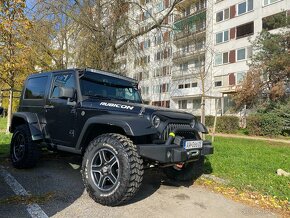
x=122 y=107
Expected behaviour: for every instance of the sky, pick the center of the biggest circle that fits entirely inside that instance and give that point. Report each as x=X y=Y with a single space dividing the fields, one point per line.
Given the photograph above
x=30 y=3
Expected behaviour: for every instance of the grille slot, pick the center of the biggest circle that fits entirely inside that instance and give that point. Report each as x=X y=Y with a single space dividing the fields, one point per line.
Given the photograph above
x=170 y=127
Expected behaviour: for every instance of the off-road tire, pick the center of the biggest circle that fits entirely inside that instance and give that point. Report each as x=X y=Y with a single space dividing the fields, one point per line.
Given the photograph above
x=190 y=171
x=130 y=169
x=31 y=152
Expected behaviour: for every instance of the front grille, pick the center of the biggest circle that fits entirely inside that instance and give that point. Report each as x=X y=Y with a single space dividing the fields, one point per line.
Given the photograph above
x=170 y=127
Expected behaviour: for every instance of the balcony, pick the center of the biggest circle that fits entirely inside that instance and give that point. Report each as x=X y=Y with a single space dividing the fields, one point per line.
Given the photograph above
x=185 y=36
x=180 y=17
x=187 y=54
x=192 y=72
x=228 y=89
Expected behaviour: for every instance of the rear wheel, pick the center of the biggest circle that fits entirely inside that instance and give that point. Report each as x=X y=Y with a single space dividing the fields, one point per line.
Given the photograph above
x=24 y=153
x=112 y=170
x=187 y=171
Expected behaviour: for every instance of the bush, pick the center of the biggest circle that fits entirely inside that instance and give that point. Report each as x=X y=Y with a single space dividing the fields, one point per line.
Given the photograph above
x=268 y=124
x=209 y=121
x=225 y=124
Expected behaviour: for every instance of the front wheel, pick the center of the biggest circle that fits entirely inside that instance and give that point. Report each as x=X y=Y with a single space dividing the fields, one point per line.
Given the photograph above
x=112 y=170
x=186 y=172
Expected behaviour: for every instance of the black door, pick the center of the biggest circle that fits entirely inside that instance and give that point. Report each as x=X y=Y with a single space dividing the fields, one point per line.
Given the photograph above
x=60 y=116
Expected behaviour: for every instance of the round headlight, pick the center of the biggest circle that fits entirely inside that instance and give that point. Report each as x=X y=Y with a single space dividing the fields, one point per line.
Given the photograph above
x=155 y=121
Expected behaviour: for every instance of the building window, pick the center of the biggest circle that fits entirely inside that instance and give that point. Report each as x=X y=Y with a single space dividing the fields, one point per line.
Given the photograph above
x=222 y=36
x=180 y=86
x=182 y=104
x=223 y=15
x=147 y=43
x=245 y=6
x=165 y=87
x=241 y=54
x=222 y=58
x=245 y=30
x=187 y=85
x=159 y=7
x=186 y=12
x=145 y=90
x=157 y=89
x=158 y=39
x=193 y=85
x=183 y=66
x=196 y=103
x=275 y=21
x=148 y=14
x=217 y=83
x=268 y=2
x=244 y=53
x=240 y=77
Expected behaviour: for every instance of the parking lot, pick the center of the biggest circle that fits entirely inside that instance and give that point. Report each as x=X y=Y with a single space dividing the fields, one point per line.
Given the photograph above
x=55 y=186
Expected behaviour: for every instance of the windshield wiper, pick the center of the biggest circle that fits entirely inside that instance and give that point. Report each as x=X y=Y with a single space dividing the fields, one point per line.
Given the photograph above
x=99 y=97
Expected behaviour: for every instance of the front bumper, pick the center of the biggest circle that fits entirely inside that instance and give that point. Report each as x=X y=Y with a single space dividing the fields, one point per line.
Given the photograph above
x=173 y=153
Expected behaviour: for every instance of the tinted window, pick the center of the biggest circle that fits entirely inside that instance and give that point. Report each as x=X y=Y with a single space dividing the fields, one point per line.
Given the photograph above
x=35 y=88
x=102 y=86
x=63 y=80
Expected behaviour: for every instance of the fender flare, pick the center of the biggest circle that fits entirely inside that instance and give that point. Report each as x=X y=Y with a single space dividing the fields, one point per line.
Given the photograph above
x=132 y=126
x=32 y=121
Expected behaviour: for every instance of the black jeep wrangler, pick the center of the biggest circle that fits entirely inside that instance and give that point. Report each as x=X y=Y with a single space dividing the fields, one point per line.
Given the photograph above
x=100 y=115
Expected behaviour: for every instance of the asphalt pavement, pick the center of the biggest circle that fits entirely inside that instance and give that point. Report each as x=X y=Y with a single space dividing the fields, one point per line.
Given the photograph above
x=54 y=189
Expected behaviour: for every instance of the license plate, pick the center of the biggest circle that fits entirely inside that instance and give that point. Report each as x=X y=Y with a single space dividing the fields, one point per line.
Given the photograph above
x=192 y=144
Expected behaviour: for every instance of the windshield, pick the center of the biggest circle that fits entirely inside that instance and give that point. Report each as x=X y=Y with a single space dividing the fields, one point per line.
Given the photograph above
x=105 y=87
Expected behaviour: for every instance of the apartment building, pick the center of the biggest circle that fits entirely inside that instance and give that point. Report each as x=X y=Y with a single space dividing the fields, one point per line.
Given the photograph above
x=202 y=48
x=236 y=23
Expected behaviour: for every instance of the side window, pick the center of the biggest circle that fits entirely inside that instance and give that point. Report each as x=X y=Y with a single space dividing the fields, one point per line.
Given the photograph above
x=35 y=88
x=62 y=80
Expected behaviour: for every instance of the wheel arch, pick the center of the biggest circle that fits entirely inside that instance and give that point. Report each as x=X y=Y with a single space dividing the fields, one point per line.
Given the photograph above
x=124 y=125
x=95 y=130
x=31 y=120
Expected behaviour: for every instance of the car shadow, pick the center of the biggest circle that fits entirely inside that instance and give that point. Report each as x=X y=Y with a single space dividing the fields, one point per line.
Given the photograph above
x=56 y=182
x=154 y=178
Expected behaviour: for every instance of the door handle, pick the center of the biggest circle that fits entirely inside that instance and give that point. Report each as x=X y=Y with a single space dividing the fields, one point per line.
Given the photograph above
x=48 y=107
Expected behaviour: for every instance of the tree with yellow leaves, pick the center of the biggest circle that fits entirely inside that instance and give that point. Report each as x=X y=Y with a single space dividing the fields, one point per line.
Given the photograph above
x=14 y=50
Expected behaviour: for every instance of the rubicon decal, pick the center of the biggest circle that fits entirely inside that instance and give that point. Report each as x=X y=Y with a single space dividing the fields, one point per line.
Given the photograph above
x=117 y=105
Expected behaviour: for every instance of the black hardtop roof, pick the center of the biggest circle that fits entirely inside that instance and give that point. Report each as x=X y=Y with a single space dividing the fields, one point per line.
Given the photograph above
x=107 y=73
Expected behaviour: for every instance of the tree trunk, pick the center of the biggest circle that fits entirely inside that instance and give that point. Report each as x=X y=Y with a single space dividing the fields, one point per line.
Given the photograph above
x=202 y=115
x=202 y=108
x=10 y=106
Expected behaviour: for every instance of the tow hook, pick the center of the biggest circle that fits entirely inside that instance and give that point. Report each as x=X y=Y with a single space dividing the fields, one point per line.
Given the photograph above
x=193 y=153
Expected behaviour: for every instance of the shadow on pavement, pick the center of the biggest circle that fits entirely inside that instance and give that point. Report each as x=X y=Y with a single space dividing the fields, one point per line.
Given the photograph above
x=58 y=175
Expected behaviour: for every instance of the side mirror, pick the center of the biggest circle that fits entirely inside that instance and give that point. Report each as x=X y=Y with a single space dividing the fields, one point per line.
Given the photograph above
x=66 y=93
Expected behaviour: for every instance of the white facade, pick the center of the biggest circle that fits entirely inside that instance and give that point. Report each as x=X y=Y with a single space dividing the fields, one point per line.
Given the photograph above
x=236 y=24
x=217 y=48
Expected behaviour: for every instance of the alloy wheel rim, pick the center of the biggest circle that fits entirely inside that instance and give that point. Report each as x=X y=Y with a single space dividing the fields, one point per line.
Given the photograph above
x=105 y=169
x=19 y=147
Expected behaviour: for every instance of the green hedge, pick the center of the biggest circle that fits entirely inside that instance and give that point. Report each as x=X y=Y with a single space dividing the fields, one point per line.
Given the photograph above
x=225 y=124
x=268 y=124
x=209 y=121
